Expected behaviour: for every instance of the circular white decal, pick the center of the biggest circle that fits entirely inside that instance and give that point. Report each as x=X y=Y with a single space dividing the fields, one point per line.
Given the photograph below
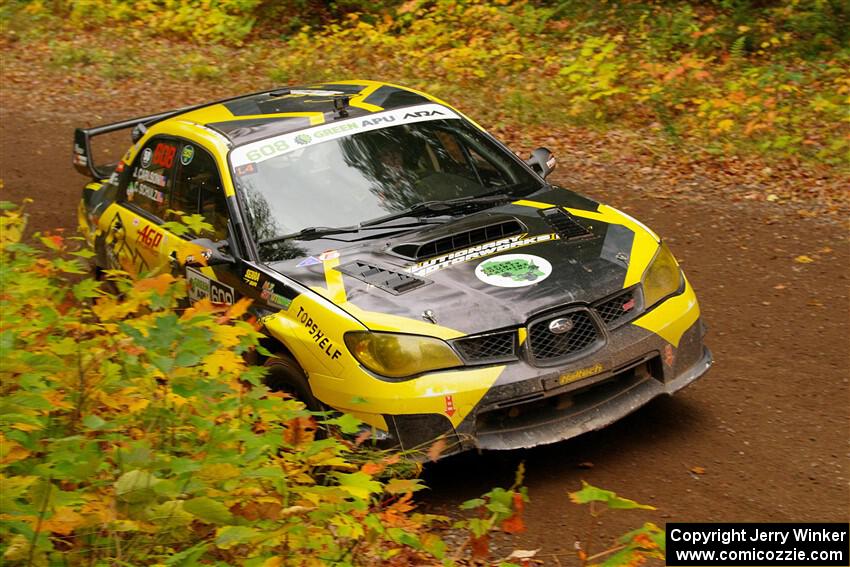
x=513 y=270
x=147 y=154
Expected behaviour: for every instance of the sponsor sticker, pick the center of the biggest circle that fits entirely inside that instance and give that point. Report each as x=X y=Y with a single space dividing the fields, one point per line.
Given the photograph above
x=479 y=251
x=200 y=287
x=450 y=406
x=187 y=154
x=147 y=155
x=513 y=270
x=569 y=377
x=308 y=261
x=262 y=150
x=315 y=92
x=273 y=298
x=252 y=277
x=325 y=344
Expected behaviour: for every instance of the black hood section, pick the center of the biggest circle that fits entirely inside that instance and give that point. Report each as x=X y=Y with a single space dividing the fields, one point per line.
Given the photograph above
x=589 y=260
x=464 y=233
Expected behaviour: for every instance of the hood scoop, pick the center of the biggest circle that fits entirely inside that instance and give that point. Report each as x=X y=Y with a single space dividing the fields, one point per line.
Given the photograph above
x=388 y=280
x=564 y=224
x=459 y=241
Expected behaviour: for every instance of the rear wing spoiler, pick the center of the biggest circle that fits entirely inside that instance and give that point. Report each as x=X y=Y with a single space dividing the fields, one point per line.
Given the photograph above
x=83 y=158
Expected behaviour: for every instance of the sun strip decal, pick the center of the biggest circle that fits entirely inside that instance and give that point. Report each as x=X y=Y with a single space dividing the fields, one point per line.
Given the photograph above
x=268 y=148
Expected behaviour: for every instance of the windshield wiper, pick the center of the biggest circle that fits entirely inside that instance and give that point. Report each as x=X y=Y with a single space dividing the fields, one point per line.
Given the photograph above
x=438 y=207
x=311 y=232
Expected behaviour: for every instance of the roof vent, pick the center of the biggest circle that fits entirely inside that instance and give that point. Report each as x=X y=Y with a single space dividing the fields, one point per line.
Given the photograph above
x=388 y=280
x=460 y=240
x=563 y=223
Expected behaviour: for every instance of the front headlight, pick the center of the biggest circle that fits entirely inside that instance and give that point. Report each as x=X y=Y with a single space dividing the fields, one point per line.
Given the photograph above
x=662 y=278
x=398 y=356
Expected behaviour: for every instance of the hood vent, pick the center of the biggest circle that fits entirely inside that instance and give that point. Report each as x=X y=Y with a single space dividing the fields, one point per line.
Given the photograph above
x=563 y=223
x=388 y=280
x=459 y=241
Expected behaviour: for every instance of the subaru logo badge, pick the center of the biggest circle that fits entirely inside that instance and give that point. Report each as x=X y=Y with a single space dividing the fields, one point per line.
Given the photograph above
x=561 y=326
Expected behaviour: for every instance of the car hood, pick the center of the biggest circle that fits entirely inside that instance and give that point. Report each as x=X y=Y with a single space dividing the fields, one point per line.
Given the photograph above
x=428 y=272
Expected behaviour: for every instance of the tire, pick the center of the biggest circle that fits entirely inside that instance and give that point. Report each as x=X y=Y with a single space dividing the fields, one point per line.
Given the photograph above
x=285 y=375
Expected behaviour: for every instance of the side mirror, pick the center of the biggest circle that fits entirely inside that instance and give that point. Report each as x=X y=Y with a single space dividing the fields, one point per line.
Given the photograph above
x=542 y=161
x=211 y=253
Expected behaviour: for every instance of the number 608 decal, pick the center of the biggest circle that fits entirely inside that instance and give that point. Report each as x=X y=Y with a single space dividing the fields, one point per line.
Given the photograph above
x=163 y=155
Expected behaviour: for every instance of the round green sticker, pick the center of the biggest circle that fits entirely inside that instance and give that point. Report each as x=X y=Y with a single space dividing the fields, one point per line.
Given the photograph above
x=187 y=155
x=513 y=270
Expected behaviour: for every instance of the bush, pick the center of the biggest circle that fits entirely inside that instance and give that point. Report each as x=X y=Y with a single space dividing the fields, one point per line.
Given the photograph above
x=132 y=432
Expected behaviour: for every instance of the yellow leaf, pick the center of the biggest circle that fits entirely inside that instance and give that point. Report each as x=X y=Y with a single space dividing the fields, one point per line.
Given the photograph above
x=239 y=308
x=222 y=360
x=228 y=336
x=217 y=472
x=158 y=284
x=803 y=259
x=725 y=125
x=12 y=451
x=26 y=427
x=64 y=521
x=176 y=399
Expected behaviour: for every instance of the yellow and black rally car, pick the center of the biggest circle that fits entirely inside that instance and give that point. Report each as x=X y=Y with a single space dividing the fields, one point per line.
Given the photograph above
x=407 y=267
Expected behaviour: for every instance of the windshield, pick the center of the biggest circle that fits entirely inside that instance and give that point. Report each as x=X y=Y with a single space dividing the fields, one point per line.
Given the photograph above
x=300 y=181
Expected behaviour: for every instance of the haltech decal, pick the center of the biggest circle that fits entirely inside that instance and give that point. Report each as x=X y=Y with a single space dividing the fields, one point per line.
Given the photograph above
x=570 y=377
x=480 y=251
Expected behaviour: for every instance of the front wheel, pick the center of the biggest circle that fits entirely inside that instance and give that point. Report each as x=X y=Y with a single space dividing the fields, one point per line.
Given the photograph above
x=285 y=375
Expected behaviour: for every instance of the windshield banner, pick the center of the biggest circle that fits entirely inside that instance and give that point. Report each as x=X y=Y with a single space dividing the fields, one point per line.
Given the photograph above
x=262 y=150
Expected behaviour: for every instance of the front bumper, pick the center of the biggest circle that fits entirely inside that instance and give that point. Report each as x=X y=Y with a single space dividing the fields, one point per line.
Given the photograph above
x=520 y=404
x=589 y=408
x=529 y=406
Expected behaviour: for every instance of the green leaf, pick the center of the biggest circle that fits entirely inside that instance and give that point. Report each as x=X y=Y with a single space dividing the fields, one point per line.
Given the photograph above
x=86 y=289
x=84 y=253
x=208 y=510
x=196 y=223
x=175 y=227
x=135 y=486
x=359 y=484
x=93 y=422
x=472 y=504
x=188 y=557
x=347 y=423
x=590 y=493
x=230 y=536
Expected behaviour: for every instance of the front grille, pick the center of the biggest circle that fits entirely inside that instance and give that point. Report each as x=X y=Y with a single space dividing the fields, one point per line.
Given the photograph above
x=493 y=347
x=619 y=308
x=546 y=346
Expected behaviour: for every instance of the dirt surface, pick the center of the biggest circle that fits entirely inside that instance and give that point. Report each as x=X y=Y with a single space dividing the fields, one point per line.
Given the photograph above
x=769 y=424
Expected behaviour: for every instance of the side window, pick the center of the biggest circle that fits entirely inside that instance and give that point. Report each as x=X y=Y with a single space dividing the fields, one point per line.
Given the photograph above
x=147 y=183
x=197 y=189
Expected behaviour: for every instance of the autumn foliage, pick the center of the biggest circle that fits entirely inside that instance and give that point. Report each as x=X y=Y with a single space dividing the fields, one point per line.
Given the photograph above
x=134 y=432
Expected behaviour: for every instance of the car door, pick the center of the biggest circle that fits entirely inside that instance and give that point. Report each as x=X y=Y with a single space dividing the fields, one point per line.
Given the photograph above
x=134 y=237
x=197 y=189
